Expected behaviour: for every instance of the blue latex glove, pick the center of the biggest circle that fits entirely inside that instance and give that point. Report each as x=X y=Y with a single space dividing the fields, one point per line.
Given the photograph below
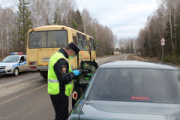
x=76 y=72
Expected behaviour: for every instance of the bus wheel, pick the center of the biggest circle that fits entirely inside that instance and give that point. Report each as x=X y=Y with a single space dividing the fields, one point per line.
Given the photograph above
x=45 y=77
x=16 y=72
x=44 y=74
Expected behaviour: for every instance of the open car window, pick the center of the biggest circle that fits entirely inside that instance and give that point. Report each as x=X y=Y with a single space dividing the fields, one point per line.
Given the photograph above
x=136 y=85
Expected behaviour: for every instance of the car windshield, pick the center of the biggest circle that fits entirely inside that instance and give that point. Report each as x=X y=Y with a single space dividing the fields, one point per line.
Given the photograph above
x=137 y=85
x=11 y=59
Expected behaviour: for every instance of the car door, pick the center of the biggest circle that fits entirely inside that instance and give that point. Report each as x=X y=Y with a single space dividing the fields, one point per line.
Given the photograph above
x=25 y=64
x=88 y=69
x=22 y=64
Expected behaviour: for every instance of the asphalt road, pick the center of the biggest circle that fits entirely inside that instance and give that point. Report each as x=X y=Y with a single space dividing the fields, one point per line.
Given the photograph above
x=25 y=97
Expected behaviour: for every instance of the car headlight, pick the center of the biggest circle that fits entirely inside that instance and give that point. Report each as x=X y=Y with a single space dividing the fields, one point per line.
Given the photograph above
x=7 y=67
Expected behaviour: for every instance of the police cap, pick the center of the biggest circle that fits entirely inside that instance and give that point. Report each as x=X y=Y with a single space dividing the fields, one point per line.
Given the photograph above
x=74 y=47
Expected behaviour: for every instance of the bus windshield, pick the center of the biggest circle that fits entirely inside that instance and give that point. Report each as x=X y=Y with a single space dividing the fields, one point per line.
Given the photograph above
x=48 y=39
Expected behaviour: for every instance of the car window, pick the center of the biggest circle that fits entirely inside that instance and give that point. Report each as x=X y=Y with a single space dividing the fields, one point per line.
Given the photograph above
x=11 y=59
x=22 y=59
x=136 y=85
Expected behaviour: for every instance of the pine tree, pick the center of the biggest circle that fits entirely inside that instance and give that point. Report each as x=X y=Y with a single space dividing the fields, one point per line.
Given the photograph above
x=131 y=46
x=24 y=22
x=74 y=24
x=79 y=20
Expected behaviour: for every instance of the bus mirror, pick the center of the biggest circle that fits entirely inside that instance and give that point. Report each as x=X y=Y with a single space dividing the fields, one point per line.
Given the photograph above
x=87 y=76
x=88 y=66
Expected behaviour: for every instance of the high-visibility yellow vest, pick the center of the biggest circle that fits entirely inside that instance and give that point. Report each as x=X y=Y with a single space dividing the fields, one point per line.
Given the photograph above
x=53 y=83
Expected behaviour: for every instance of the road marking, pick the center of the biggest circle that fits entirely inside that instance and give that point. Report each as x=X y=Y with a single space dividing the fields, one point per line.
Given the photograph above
x=125 y=57
x=22 y=95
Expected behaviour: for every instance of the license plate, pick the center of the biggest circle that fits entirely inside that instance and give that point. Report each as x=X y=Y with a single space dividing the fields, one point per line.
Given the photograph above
x=1 y=70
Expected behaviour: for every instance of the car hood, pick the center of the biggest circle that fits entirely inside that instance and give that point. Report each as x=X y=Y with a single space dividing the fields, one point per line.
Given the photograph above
x=105 y=110
x=7 y=64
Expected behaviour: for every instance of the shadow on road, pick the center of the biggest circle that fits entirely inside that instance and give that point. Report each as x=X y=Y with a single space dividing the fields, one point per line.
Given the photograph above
x=11 y=75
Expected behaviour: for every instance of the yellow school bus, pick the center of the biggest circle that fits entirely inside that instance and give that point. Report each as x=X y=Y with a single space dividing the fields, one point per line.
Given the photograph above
x=44 y=41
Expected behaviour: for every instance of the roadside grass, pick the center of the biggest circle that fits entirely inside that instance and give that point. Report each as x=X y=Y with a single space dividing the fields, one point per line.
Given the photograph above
x=139 y=57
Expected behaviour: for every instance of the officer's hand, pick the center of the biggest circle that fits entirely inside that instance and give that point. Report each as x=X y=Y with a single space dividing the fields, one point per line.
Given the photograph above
x=76 y=72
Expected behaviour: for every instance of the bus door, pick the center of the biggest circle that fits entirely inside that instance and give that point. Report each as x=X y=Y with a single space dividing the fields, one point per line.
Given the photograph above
x=93 y=52
x=89 y=47
x=77 y=57
x=86 y=49
x=82 y=44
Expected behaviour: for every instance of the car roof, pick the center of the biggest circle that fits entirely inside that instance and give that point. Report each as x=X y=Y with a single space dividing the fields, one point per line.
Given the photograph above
x=139 y=64
x=17 y=55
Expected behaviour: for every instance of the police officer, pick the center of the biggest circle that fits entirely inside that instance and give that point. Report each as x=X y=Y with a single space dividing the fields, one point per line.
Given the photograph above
x=60 y=79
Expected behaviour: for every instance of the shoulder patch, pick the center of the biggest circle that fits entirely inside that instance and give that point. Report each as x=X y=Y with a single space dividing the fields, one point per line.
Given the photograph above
x=64 y=68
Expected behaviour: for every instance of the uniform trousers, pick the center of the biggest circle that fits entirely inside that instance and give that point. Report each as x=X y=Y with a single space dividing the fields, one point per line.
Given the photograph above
x=60 y=103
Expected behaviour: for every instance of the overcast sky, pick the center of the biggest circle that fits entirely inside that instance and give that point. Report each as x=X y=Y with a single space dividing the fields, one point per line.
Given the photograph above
x=124 y=17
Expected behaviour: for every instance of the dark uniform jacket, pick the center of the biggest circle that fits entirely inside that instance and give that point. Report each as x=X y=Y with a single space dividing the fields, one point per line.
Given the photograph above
x=64 y=78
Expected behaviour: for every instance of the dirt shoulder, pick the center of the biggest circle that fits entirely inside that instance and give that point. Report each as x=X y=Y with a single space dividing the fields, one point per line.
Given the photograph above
x=141 y=58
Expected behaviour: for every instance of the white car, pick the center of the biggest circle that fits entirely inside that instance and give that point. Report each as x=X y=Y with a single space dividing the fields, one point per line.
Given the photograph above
x=13 y=64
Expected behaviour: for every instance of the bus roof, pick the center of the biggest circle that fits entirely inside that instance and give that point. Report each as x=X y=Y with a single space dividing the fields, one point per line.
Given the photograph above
x=51 y=27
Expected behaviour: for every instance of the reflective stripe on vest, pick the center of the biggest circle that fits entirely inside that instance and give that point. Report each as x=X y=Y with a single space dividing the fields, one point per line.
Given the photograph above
x=53 y=83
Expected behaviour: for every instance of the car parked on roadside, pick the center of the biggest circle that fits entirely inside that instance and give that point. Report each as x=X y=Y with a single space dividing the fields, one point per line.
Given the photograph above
x=131 y=90
x=13 y=64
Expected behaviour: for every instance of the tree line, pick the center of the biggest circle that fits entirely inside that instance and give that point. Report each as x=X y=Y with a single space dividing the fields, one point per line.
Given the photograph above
x=164 y=22
x=18 y=16
x=127 y=45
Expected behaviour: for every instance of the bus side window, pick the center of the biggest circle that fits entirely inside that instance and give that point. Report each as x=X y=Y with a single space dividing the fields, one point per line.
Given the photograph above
x=80 y=43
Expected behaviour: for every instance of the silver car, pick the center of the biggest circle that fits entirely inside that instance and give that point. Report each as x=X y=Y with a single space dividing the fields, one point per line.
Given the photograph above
x=131 y=90
x=13 y=64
